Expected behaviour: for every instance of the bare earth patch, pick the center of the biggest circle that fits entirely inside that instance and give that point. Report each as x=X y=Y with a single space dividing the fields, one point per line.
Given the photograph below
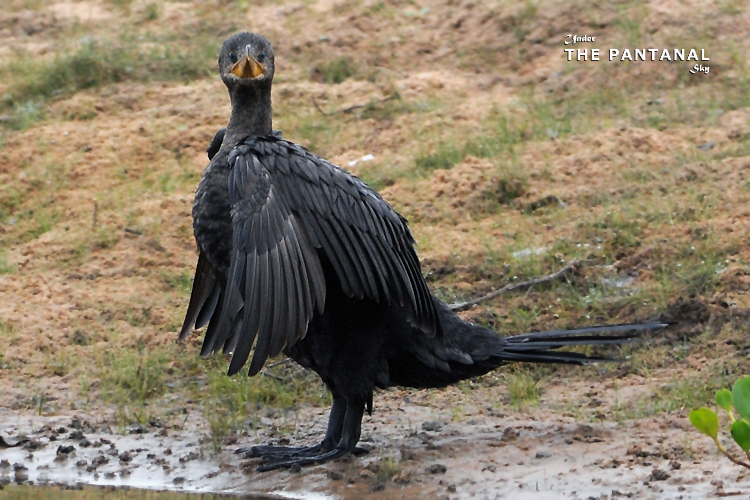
x=509 y=163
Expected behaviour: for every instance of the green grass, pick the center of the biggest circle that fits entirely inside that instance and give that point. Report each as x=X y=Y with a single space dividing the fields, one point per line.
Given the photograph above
x=133 y=378
x=680 y=394
x=522 y=387
x=6 y=266
x=145 y=383
x=93 y=63
x=501 y=134
x=181 y=282
x=231 y=404
x=335 y=70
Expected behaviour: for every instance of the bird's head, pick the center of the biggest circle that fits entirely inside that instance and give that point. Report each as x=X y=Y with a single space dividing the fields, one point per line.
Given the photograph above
x=246 y=59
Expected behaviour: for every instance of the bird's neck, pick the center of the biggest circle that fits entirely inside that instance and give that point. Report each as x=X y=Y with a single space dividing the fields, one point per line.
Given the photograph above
x=251 y=114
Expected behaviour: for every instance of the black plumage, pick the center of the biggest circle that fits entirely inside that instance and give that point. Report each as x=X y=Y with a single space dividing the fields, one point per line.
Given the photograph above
x=300 y=256
x=215 y=144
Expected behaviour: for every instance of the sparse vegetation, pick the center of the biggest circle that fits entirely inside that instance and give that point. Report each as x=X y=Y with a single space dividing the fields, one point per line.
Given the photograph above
x=706 y=421
x=335 y=71
x=93 y=63
x=637 y=168
x=522 y=388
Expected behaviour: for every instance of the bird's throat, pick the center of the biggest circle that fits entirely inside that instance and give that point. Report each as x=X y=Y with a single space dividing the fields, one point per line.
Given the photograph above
x=251 y=113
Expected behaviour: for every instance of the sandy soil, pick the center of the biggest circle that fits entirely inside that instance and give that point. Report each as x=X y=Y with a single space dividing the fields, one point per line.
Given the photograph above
x=97 y=279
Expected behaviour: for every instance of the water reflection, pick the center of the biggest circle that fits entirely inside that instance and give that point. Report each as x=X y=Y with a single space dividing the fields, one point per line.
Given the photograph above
x=12 y=492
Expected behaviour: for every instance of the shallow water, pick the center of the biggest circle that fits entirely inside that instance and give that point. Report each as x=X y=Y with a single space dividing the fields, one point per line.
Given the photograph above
x=12 y=492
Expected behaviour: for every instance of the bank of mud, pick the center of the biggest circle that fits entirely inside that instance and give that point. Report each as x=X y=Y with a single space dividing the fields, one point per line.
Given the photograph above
x=417 y=450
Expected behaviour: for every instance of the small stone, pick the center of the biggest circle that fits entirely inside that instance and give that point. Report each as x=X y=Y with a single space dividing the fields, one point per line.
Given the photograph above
x=335 y=475
x=659 y=475
x=437 y=469
x=432 y=426
x=379 y=486
x=406 y=454
x=33 y=445
x=190 y=456
x=542 y=454
x=21 y=473
x=76 y=435
x=65 y=450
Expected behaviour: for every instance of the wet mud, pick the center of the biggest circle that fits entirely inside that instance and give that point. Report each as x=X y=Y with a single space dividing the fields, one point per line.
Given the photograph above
x=416 y=452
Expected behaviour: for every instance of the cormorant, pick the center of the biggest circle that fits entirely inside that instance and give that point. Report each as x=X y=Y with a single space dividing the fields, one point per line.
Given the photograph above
x=300 y=256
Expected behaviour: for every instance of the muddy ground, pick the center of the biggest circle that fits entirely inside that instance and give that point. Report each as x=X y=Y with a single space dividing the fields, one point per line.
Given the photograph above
x=509 y=162
x=489 y=455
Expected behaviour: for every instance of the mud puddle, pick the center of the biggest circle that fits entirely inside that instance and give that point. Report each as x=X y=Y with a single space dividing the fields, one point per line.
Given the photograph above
x=75 y=451
x=416 y=452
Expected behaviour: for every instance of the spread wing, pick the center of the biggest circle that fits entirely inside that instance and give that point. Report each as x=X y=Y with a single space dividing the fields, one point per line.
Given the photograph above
x=289 y=209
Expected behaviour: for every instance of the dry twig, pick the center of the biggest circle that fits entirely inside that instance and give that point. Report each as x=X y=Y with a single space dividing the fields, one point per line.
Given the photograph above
x=463 y=306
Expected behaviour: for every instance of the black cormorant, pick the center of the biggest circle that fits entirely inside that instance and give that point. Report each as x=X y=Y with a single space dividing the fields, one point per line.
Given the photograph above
x=300 y=256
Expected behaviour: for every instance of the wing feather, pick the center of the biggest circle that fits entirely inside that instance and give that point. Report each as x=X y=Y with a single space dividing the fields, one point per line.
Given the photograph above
x=290 y=209
x=203 y=297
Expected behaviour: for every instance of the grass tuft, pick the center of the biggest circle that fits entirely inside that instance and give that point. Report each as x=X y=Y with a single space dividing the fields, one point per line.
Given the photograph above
x=335 y=70
x=93 y=63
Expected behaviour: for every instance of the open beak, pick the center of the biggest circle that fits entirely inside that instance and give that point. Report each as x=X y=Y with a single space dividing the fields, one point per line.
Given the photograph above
x=248 y=67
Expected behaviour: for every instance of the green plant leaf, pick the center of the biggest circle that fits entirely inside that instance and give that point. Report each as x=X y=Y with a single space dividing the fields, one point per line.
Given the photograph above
x=741 y=434
x=741 y=397
x=724 y=399
x=705 y=420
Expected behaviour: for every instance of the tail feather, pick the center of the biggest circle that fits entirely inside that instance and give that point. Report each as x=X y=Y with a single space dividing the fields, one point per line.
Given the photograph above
x=567 y=334
x=569 y=358
x=541 y=347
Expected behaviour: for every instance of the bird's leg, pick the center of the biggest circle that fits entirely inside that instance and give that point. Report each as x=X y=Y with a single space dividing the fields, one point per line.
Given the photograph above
x=335 y=424
x=350 y=433
x=332 y=437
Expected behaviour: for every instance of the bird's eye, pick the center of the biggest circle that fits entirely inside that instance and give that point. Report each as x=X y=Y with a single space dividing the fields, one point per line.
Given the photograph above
x=261 y=57
x=232 y=57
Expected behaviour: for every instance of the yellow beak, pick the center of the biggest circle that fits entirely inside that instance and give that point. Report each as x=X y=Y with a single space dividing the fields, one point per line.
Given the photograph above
x=248 y=67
